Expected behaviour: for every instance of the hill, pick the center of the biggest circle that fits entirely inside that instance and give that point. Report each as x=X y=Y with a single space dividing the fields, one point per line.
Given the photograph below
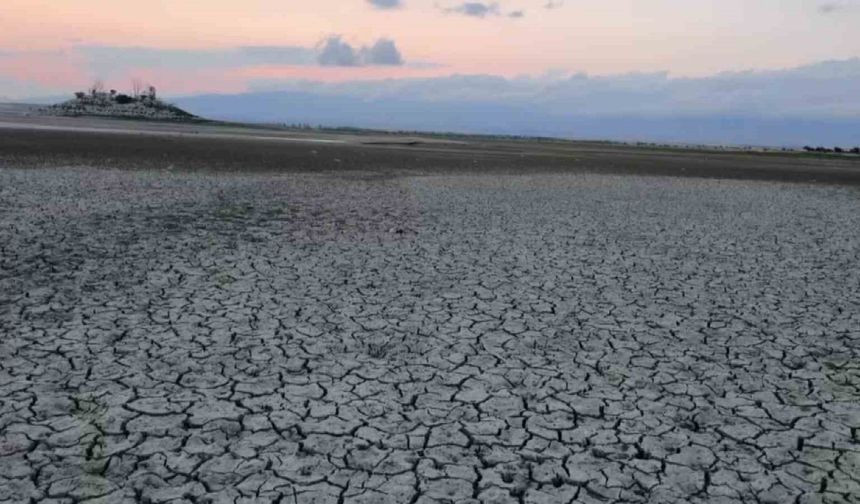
x=144 y=105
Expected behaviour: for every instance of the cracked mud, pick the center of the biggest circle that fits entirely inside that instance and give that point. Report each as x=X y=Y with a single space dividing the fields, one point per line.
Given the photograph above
x=172 y=337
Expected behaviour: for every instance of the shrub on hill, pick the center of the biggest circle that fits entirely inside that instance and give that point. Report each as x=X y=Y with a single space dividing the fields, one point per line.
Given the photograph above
x=123 y=99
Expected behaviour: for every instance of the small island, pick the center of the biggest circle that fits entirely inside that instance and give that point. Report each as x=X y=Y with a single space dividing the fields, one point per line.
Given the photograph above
x=142 y=103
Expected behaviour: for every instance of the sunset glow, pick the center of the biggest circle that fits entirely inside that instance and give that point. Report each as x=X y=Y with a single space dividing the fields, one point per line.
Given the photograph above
x=47 y=45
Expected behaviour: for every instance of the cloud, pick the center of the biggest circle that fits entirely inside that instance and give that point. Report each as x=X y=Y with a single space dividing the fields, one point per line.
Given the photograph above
x=475 y=9
x=830 y=7
x=274 y=55
x=553 y=4
x=107 y=61
x=836 y=7
x=383 y=52
x=482 y=10
x=334 y=51
x=386 y=4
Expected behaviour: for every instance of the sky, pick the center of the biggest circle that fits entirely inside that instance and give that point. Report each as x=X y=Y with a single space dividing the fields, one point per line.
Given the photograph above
x=204 y=46
x=676 y=70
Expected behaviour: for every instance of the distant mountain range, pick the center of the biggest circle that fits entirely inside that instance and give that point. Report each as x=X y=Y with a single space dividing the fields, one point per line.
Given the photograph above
x=814 y=104
x=493 y=118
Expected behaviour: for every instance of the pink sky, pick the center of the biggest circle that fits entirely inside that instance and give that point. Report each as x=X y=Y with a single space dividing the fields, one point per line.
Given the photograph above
x=40 y=40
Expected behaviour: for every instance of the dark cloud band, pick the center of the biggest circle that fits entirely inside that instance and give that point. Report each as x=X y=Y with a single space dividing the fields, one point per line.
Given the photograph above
x=110 y=61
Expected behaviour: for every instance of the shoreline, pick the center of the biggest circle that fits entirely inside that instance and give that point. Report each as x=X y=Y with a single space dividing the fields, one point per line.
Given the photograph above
x=58 y=141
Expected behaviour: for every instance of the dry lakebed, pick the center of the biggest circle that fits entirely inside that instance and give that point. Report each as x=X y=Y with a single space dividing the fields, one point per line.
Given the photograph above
x=191 y=316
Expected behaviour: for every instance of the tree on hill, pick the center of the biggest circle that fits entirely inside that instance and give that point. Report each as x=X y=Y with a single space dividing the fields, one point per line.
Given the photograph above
x=136 y=87
x=97 y=88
